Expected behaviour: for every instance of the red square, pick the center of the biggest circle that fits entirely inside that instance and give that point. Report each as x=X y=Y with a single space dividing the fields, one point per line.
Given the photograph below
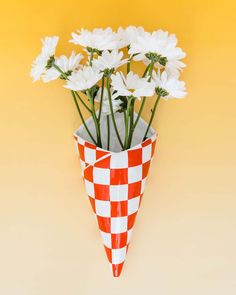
x=118 y=240
x=102 y=192
x=153 y=147
x=92 y=201
x=100 y=153
x=141 y=198
x=104 y=224
x=105 y=163
x=135 y=157
x=117 y=268
x=109 y=254
x=119 y=176
x=146 y=142
x=134 y=189
x=88 y=173
x=131 y=220
x=81 y=151
x=90 y=145
x=145 y=169
x=119 y=209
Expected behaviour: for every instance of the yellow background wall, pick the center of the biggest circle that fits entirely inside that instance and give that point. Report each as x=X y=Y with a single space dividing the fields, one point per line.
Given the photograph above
x=185 y=240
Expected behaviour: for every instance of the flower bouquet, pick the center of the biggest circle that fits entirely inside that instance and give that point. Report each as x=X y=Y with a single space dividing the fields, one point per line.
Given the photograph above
x=115 y=144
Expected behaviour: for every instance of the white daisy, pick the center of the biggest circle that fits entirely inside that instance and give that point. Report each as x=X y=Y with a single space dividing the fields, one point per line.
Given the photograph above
x=131 y=85
x=168 y=86
x=40 y=63
x=130 y=34
x=116 y=103
x=109 y=60
x=83 y=79
x=116 y=106
x=162 y=47
x=66 y=64
x=99 y=39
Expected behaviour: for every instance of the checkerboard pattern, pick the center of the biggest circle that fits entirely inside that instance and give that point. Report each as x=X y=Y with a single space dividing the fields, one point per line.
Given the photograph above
x=115 y=184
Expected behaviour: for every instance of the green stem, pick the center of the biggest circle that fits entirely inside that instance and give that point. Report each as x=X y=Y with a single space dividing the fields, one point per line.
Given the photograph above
x=108 y=132
x=124 y=116
x=140 y=111
x=151 y=118
x=99 y=142
x=82 y=119
x=129 y=62
x=60 y=71
x=128 y=66
x=101 y=99
x=131 y=123
x=146 y=70
x=127 y=123
x=81 y=100
x=91 y=58
x=112 y=113
x=74 y=94
x=150 y=69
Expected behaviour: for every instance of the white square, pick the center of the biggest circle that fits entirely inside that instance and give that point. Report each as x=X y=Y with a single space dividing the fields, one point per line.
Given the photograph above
x=89 y=188
x=146 y=153
x=81 y=140
x=89 y=155
x=76 y=147
x=129 y=235
x=135 y=174
x=103 y=208
x=143 y=185
x=106 y=238
x=119 y=192
x=119 y=160
x=82 y=164
x=119 y=224
x=118 y=255
x=101 y=176
x=133 y=205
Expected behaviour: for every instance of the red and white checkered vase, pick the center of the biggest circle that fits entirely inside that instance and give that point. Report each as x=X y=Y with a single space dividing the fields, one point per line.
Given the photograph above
x=115 y=184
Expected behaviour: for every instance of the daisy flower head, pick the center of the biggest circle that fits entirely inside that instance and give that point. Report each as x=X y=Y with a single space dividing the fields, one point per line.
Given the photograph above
x=83 y=79
x=44 y=59
x=66 y=64
x=116 y=103
x=130 y=34
x=98 y=39
x=109 y=61
x=167 y=86
x=116 y=106
x=160 y=48
x=131 y=85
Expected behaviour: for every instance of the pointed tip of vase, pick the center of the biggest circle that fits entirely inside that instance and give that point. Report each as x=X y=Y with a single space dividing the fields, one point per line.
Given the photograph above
x=116 y=269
